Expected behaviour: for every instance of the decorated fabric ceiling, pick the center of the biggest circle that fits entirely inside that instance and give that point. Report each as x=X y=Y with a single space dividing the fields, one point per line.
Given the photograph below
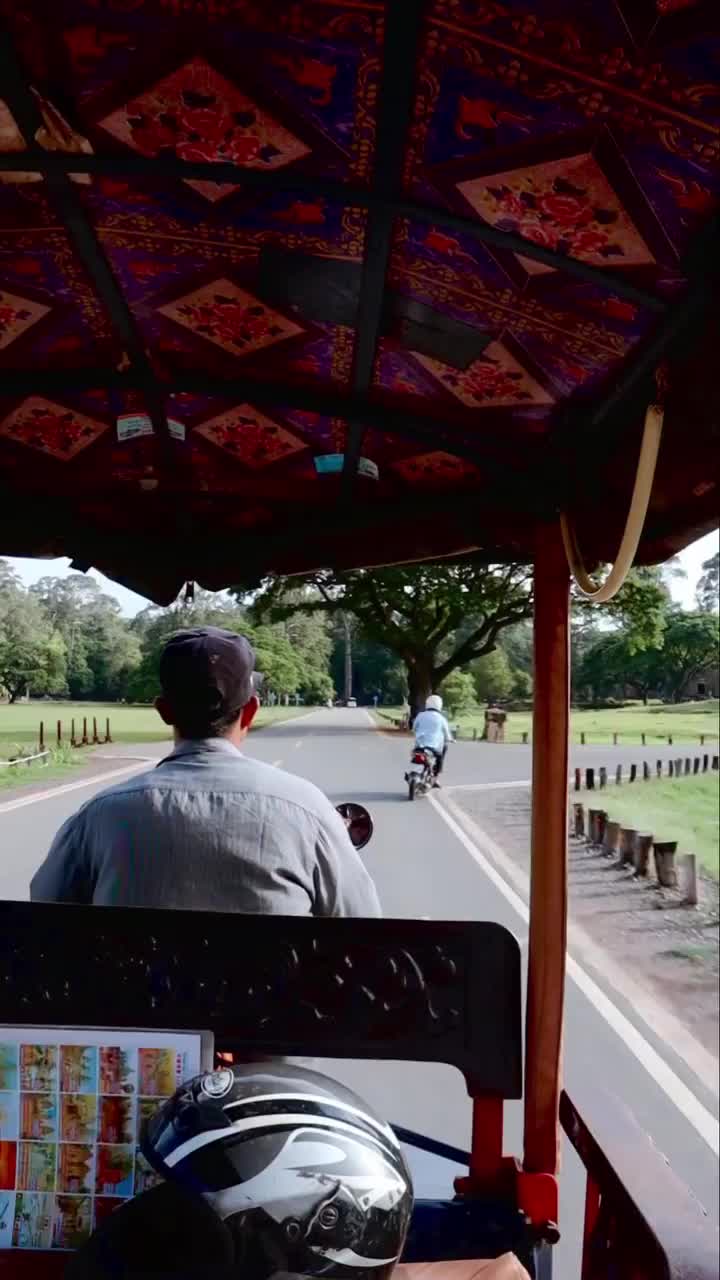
x=443 y=235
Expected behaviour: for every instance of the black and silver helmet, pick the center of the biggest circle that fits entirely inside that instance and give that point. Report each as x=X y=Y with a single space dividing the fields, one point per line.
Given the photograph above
x=308 y=1179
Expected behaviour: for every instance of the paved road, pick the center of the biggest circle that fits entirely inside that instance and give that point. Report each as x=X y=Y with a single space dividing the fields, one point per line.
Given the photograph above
x=422 y=868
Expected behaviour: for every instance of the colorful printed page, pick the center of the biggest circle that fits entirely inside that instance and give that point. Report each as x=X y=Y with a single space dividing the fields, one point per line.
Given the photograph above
x=72 y=1104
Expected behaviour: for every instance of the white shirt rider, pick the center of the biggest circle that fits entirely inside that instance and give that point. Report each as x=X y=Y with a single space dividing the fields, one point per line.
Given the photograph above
x=430 y=726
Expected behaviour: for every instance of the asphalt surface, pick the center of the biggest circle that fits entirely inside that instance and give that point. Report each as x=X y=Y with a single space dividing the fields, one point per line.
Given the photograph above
x=422 y=869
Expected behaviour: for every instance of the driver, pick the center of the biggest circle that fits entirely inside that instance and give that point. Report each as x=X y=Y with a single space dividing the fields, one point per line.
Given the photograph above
x=209 y=828
x=432 y=732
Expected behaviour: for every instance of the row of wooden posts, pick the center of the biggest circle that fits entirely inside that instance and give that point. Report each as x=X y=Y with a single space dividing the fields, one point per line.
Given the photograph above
x=675 y=769
x=87 y=740
x=632 y=849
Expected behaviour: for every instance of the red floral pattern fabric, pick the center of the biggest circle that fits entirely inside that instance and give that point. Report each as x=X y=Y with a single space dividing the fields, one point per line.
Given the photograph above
x=495 y=379
x=434 y=470
x=52 y=428
x=228 y=316
x=16 y=316
x=199 y=115
x=250 y=437
x=567 y=205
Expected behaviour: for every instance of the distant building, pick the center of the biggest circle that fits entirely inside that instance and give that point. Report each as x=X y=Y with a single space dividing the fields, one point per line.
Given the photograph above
x=706 y=684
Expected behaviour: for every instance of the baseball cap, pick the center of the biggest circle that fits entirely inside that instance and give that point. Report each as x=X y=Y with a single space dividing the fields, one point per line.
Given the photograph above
x=207 y=671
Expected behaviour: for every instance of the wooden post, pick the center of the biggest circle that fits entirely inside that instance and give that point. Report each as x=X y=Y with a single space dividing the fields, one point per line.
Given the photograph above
x=696 y=765
x=582 y=739
x=688 y=765
x=687 y=867
x=41 y=739
x=678 y=767
x=611 y=840
x=614 y=739
x=603 y=776
x=646 y=771
x=107 y=731
x=670 y=741
x=706 y=763
x=664 y=851
x=578 y=779
x=524 y=738
x=618 y=776
x=702 y=739
x=633 y=772
x=671 y=769
x=658 y=768
x=643 y=845
x=59 y=733
x=590 y=835
x=627 y=845
x=716 y=762
x=73 y=743
x=548 y=880
x=589 y=779
x=642 y=738
x=578 y=821
x=84 y=737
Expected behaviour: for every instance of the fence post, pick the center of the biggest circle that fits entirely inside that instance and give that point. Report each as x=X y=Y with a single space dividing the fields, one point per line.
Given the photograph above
x=524 y=738
x=633 y=772
x=658 y=768
x=107 y=731
x=618 y=776
x=642 y=738
x=578 y=780
x=600 y=825
x=42 y=735
x=646 y=771
x=670 y=741
x=706 y=762
x=590 y=835
x=73 y=743
x=716 y=762
x=671 y=769
x=614 y=739
x=664 y=851
x=603 y=777
x=627 y=845
x=702 y=739
x=590 y=779
x=578 y=821
x=696 y=765
x=84 y=737
x=678 y=767
x=611 y=839
x=59 y=733
x=582 y=739
x=687 y=866
x=643 y=845
x=688 y=764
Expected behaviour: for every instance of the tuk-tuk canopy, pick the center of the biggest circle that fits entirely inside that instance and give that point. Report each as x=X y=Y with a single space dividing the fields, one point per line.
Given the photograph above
x=285 y=285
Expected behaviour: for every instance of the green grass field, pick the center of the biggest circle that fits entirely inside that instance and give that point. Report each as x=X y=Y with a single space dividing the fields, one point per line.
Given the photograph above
x=684 y=722
x=682 y=809
x=20 y=724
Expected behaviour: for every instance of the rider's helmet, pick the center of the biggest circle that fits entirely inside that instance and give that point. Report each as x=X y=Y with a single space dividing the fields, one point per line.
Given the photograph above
x=306 y=1177
x=434 y=702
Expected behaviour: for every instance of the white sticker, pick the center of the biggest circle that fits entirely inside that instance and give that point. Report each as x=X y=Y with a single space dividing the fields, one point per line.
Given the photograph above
x=176 y=429
x=131 y=425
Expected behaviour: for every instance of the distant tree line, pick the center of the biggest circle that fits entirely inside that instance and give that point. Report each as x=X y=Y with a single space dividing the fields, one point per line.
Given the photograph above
x=462 y=628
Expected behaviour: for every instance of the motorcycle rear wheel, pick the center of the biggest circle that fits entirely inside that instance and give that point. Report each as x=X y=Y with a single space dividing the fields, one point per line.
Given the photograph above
x=412 y=783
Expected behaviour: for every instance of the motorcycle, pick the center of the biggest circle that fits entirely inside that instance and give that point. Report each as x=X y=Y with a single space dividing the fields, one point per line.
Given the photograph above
x=420 y=776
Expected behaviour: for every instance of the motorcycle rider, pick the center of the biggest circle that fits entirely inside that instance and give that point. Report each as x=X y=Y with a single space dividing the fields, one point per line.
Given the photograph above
x=209 y=828
x=432 y=732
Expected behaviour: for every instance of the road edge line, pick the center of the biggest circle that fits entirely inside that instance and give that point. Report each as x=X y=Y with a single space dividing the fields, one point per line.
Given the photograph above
x=38 y=796
x=676 y=1090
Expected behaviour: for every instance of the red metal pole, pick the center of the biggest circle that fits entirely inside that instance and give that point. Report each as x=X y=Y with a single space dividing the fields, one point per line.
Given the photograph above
x=548 y=882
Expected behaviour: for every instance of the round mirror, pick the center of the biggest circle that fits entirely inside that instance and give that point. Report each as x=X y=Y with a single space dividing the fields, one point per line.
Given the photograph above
x=358 y=822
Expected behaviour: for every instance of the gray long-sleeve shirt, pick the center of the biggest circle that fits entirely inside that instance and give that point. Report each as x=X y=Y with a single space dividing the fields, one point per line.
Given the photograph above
x=210 y=829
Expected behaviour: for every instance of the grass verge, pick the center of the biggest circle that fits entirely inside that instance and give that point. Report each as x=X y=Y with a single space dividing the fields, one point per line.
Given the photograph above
x=685 y=723
x=682 y=809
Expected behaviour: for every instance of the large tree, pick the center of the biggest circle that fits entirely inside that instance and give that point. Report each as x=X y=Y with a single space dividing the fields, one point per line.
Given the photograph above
x=32 y=653
x=435 y=617
x=708 y=587
x=691 y=645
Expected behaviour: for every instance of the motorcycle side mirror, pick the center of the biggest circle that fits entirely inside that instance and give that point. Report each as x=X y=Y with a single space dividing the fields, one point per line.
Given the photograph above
x=358 y=822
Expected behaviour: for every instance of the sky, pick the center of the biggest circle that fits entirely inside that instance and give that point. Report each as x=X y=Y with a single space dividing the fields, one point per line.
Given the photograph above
x=683 y=589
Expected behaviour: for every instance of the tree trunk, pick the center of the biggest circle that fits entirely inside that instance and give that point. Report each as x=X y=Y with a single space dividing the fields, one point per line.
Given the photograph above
x=420 y=683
